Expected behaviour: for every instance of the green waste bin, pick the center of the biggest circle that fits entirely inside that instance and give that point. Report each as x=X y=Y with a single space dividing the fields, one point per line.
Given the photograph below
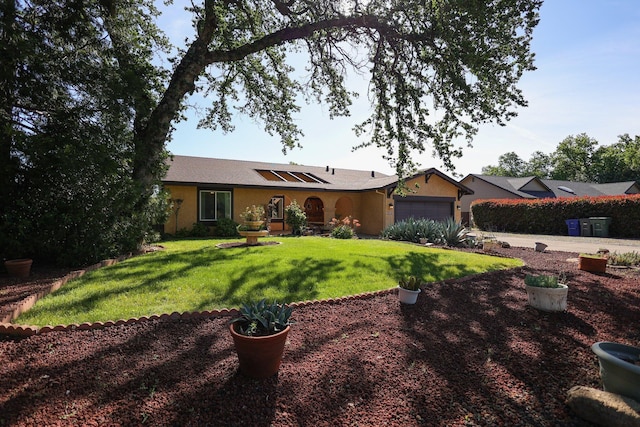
x=600 y=226
x=585 y=227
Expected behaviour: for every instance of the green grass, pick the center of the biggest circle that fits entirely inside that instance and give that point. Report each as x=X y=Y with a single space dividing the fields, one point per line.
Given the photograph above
x=194 y=275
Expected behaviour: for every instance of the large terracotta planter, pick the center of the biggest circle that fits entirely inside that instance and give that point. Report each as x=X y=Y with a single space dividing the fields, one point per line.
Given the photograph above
x=548 y=299
x=19 y=267
x=594 y=265
x=619 y=368
x=259 y=357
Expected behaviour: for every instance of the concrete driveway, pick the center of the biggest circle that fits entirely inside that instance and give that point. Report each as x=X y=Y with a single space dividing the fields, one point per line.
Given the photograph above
x=567 y=243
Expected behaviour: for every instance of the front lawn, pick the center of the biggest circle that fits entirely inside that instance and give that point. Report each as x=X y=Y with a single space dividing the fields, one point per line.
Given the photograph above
x=195 y=275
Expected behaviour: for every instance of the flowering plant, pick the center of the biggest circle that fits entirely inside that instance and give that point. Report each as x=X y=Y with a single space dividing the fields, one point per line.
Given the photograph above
x=253 y=213
x=344 y=228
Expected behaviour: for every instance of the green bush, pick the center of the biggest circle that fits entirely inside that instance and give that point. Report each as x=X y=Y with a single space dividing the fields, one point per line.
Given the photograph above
x=548 y=216
x=295 y=218
x=226 y=227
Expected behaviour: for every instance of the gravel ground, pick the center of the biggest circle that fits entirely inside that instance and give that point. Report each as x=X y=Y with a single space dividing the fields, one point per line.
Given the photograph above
x=471 y=352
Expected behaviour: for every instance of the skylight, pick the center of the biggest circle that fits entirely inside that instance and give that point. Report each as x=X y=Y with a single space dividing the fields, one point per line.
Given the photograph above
x=289 y=176
x=567 y=189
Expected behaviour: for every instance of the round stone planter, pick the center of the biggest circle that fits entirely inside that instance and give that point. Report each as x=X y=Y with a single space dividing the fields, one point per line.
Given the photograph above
x=259 y=357
x=619 y=368
x=254 y=225
x=548 y=299
x=19 y=267
x=407 y=296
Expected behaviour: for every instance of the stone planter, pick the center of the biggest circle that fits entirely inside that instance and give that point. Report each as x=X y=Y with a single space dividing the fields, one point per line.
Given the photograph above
x=253 y=225
x=592 y=264
x=619 y=368
x=407 y=296
x=548 y=299
x=19 y=267
x=259 y=357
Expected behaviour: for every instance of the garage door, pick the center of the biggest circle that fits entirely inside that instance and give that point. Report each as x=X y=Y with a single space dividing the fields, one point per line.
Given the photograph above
x=436 y=208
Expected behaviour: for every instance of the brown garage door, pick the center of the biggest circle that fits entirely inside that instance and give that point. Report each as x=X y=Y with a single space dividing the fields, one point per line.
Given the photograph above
x=436 y=208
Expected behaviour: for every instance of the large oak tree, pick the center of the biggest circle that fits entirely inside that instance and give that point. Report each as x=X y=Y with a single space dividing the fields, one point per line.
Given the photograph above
x=437 y=70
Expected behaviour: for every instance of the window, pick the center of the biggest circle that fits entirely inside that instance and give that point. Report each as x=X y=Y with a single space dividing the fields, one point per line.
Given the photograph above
x=277 y=207
x=214 y=205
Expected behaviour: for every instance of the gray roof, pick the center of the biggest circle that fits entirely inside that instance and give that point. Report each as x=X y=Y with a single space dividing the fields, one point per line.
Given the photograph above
x=208 y=171
x=557 y=188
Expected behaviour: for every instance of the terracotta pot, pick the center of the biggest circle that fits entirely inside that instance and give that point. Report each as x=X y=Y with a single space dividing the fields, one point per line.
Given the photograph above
x=594 y=265
x=19 y=267
x=407 y=296
x=259 y=357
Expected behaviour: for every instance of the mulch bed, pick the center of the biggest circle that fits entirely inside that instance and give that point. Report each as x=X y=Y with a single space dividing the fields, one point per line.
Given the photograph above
x=471 y=352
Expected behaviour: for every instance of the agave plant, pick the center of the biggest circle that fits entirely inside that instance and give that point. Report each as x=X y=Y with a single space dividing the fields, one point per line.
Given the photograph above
x=453 y=233
x=261 y=319
x=411 y=283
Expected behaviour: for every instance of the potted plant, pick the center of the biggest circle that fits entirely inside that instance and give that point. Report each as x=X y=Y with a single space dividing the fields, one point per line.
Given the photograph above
x=595 y=263
x=253 y=217
x=408 y=289
x=547 y=293
x=259 y=335
x=619 y=368
x=15 y=261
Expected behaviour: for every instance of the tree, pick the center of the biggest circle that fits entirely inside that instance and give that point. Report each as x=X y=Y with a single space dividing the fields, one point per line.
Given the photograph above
x=437 y=70
x=509 y=164
x=618 y=162
x=539 y=165
x=572 y=160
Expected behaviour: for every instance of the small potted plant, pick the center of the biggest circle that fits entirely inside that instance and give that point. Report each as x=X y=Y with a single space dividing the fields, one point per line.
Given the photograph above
x=547 y=293
x=259 y=335
x=253 y=217
x=594 y=263
x=408 y=289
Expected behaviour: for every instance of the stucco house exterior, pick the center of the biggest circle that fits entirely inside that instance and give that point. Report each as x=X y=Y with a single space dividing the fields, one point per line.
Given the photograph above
x=501 y=187
x=209 y=189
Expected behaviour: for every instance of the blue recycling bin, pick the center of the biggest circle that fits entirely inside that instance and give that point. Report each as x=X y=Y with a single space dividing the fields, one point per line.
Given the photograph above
x=573 y=226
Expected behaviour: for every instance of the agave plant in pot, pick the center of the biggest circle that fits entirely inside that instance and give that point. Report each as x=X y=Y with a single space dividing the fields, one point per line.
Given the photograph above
x=547 y=293
x=259 y=335
x=408 y=289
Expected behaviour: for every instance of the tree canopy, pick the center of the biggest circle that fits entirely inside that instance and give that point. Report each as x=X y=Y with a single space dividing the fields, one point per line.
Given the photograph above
x=84 y=100
x=577 y=158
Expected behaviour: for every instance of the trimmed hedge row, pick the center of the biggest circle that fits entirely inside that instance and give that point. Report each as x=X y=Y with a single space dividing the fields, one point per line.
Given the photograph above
x=547 y=216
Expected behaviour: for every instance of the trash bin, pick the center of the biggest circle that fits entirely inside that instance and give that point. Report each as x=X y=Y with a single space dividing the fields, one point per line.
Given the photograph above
x=600 y=226
x=573 y=226
x=585 y=227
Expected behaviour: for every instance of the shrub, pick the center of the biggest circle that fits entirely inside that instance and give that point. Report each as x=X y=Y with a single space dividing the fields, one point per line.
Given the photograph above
x=295 y=217
x=226 y=227
x=344 y=228
x=452 y=233
x=412 y=230
x=627 y=259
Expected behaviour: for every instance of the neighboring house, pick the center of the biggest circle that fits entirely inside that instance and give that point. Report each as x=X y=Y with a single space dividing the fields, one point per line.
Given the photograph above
x=210 y=189
x=501 y=187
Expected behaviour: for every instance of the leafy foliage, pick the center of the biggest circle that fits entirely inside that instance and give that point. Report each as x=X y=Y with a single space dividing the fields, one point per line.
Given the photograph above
x=344 y=228
x=411 y=283
x=541 y=281
x=447 y=232
x=261 y=319
x=547 y=216
x=295 y=217
x=226 y=227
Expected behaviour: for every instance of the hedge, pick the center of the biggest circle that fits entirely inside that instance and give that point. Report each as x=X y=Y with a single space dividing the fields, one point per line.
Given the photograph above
x=547 y=216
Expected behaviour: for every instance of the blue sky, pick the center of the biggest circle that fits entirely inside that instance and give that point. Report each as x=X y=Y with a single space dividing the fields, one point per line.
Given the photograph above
x=587 y=80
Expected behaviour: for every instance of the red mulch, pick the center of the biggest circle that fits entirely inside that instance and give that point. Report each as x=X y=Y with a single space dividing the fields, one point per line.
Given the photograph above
x=470 y=353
